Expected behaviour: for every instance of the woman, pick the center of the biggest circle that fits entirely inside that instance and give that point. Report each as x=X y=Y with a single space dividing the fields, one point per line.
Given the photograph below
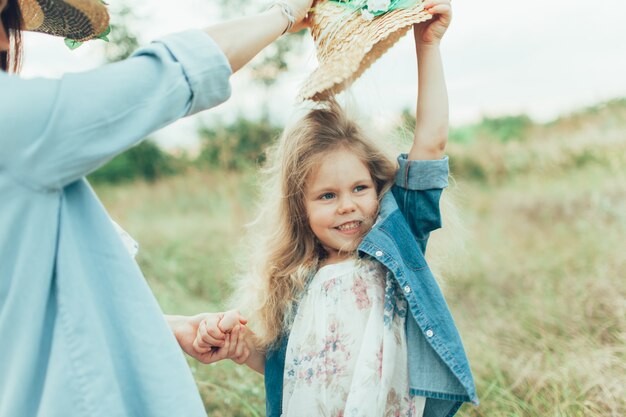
x=81 y=333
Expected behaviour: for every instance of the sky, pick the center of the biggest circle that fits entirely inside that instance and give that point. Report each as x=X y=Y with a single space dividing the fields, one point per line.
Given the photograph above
x=542 y=58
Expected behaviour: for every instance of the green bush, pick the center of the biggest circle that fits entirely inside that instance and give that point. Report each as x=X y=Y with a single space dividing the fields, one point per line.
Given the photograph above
x=237 y=145
x=506 y=128
x=145 y=161
x=502 y=129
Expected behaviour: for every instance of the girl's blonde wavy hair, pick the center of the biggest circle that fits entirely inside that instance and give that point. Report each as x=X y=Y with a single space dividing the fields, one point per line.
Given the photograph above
x=282 y=250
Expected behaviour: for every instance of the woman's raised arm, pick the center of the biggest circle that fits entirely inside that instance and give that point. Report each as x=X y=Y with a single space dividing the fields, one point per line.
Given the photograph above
x=242 y=39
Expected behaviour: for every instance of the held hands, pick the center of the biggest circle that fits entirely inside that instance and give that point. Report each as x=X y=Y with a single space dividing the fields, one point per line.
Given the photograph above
x=431 y=32
x=223 y=335
x=200 y=337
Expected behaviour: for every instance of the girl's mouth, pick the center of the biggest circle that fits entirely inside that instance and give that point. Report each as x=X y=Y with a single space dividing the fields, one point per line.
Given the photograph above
x=349 y=226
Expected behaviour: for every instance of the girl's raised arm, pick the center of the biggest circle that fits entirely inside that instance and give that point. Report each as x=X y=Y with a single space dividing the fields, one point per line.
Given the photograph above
x=431 y=127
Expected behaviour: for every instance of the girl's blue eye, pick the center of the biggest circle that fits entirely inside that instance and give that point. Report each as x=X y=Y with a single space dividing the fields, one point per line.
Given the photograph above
x=360 y=188
x=327 y=196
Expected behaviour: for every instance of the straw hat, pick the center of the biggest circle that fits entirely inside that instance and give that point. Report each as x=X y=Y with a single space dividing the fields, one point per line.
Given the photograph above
x=79 y=20
x=347 y=43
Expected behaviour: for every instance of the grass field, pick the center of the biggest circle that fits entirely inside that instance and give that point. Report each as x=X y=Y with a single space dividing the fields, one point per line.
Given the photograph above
x=538 y=290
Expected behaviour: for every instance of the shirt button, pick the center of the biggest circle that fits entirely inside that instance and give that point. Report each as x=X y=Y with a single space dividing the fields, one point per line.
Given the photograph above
x=429 y=333
x=407 y=289
x=379 y=253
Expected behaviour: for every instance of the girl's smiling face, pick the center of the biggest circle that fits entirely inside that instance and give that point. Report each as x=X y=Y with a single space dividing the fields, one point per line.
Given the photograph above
x=341 y=203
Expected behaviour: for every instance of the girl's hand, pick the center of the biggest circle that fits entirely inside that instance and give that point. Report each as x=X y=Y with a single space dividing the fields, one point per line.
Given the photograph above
x=212 y=345
x=235 y=347
x=241 y=337
x=209 y=335
x=431 y=32
x=222 y=335
x=229 y=320
x=185 y=329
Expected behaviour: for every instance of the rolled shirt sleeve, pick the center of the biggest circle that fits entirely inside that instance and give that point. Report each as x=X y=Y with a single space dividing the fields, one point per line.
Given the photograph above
x=417 y=190
x=422 y=174
x=57 y=131
x=206 y=69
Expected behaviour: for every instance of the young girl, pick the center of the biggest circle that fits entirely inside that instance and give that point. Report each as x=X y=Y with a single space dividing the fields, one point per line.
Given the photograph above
x=351 y=320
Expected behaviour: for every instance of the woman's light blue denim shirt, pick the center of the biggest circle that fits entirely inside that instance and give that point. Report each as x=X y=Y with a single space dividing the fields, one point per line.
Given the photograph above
x=80 y=332
x=438 y=366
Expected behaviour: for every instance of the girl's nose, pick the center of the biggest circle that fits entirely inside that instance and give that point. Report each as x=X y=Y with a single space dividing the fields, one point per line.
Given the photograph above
x=346 y=205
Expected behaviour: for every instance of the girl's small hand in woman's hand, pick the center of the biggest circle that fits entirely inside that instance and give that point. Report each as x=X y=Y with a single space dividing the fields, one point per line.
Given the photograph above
x=212 y=330
x=209 y=335
x=234 y=346
x=221 y=336
x=432 y=31
x=229 y=320
x=240 y=344
x=214 y=343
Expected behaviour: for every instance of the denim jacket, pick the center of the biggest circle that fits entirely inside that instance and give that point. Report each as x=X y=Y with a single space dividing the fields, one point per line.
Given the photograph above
x=438 y=367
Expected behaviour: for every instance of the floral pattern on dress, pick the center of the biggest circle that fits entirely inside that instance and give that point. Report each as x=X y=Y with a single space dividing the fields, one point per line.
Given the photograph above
x=324 y=363
x=395 y=303
x=346 y=355
x=400 y=405
x=359 y=289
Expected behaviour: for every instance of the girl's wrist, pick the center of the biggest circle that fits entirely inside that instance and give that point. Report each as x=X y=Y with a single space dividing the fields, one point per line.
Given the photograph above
x=428 y=51
x=421 y=47
x=256 y=361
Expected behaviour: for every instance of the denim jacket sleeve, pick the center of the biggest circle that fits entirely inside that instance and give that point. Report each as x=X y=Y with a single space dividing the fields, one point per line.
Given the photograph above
x=417 y=190
x=55 y=131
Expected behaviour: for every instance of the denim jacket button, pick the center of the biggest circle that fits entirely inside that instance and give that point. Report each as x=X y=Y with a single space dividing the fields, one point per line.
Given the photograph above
x=429 y=333
x=379 y=253
x=407 y=289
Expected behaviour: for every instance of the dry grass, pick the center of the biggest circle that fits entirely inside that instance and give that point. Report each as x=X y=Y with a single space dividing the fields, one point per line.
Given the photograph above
x=540 y=296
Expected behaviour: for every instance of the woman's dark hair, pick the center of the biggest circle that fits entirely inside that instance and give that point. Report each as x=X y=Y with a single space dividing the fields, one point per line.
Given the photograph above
x=12 y=21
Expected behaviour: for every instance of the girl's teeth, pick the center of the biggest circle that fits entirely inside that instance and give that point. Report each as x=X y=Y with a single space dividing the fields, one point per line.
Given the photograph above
x=349 y=226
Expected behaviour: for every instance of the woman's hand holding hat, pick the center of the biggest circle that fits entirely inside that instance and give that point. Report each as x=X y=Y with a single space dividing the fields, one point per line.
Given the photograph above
x=432 y=31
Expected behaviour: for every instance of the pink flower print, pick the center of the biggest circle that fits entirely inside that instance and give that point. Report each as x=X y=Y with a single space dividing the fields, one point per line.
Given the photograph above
x=379 y=359
x=359 y=289
x=329 y=285
x=333 y=341
x=307 y=375
x=323 y=364
x=412 y=411
x=394 y=404
x=332 y=327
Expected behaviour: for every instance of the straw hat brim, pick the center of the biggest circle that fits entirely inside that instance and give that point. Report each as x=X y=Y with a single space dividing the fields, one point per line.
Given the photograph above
x=347 y=44
x=79 y=20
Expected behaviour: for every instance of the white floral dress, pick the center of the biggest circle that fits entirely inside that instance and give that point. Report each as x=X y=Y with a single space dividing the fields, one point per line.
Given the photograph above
x=346 y=355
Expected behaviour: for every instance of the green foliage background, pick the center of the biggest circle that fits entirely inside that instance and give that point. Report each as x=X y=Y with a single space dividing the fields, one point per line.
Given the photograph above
x=238 y=145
